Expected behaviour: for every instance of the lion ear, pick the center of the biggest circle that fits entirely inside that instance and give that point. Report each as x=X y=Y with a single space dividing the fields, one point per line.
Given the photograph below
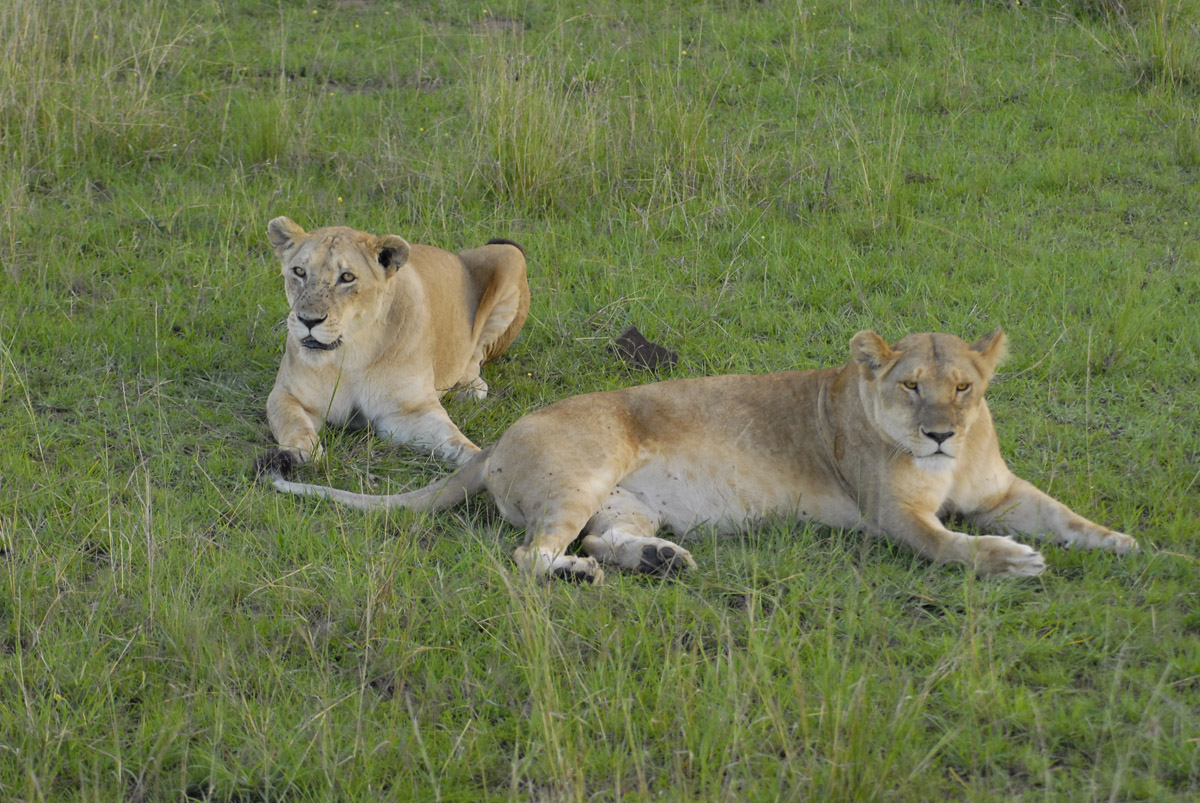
x=282 y=232
x=871 y=352
x=392 y=252
x=992 y=347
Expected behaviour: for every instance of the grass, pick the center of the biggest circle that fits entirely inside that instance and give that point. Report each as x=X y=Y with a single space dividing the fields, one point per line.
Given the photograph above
x=749 y=184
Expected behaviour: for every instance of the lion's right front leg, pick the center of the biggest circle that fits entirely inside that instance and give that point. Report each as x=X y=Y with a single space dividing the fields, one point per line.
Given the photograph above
x=992 y=555
x=294 y=427
x=428 y=426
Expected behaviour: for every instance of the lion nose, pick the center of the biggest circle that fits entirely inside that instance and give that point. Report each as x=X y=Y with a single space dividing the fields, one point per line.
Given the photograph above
x=940 y=437
x=312 y=323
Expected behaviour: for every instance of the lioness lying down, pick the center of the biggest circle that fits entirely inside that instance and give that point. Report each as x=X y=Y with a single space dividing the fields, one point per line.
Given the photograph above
x=885 y=445
x=379 y=330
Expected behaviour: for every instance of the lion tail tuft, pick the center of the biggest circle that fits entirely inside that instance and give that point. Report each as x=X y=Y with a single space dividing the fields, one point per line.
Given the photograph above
x=502 y=241
x=275 y=463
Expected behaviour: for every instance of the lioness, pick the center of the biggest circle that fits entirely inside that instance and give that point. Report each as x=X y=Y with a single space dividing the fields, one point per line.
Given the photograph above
x=885 y=444
x=379 y=330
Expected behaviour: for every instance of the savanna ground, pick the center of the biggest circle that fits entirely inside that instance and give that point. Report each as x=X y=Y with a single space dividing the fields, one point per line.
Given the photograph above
x=749 y=183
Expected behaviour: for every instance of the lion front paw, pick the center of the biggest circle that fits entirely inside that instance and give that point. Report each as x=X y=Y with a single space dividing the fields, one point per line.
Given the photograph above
x=456 y=453
x=1119 y=542
x=1000 y=556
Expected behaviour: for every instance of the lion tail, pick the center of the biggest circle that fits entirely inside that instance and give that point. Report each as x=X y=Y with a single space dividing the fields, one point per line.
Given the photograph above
x=442 y=494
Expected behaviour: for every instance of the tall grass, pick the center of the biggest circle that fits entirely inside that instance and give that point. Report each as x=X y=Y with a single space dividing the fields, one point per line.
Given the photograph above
x=1156 y=40
x=83 y=84
x=1170 y=49
x=549 y=117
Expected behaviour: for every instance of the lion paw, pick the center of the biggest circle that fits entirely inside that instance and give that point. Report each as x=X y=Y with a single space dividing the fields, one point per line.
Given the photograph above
x=665 y=559
x=1119 y=542
x=639 y=553
x=457 y=454
x=585 y=571
x=476 y=390
x=1000 y=556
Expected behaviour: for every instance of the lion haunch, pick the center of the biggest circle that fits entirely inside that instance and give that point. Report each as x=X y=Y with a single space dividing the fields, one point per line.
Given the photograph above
x=889 y=445
x=379 y=330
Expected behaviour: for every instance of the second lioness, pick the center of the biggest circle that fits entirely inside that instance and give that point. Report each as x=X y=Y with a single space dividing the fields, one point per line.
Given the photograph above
x=379 y=330
x=887 y=444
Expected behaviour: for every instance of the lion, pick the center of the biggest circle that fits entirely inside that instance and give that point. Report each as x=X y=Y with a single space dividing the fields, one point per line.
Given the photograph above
x=889 y=445
x=379 y=330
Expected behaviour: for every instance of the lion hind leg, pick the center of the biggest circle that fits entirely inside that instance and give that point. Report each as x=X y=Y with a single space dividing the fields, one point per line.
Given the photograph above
x=503 y=305
x=551 y=526
x=500 y=317
x=544 y=555
x=495 y=329
x=623 y=534
x=554 y=518
x=472 y=386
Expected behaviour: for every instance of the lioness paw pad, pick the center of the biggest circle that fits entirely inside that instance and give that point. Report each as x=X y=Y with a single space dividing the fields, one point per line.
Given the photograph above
x=665 y=560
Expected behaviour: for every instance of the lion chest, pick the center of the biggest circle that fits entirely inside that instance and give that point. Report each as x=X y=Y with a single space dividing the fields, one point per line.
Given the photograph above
x=355 y=392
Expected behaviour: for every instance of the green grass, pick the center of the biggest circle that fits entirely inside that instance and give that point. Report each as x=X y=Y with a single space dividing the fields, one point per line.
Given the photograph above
x=749 y=184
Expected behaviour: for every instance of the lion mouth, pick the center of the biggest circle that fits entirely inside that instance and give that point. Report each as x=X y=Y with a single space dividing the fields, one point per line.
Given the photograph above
x=311 y=342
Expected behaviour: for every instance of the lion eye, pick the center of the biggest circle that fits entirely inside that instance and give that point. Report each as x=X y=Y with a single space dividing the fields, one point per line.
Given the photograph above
x=963 y=387
x=910 y=384
x=298 y=271
x=346 y=277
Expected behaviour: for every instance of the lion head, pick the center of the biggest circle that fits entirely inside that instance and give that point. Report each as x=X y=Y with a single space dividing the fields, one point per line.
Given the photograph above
x=335 y=279
x=924 y=392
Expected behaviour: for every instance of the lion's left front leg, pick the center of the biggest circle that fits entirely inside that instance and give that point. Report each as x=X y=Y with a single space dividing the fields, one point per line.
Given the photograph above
x=427 y=425
x=1024 y=510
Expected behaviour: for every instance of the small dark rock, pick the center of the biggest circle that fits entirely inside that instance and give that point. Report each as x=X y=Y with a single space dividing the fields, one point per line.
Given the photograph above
x=635 y=349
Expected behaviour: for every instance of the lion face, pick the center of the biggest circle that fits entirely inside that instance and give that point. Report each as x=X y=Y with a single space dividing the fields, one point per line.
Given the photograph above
x=924 y=392
x=335 y=279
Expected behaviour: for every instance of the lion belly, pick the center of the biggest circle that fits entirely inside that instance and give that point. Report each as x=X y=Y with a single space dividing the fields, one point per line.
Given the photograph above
x=732 y=493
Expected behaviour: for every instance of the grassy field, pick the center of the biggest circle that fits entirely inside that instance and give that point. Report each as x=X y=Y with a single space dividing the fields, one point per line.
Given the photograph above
x=750 y=183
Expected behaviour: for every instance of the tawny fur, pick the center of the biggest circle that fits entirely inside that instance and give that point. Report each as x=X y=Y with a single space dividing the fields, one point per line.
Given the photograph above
x=889 y=444
x=379 y=330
